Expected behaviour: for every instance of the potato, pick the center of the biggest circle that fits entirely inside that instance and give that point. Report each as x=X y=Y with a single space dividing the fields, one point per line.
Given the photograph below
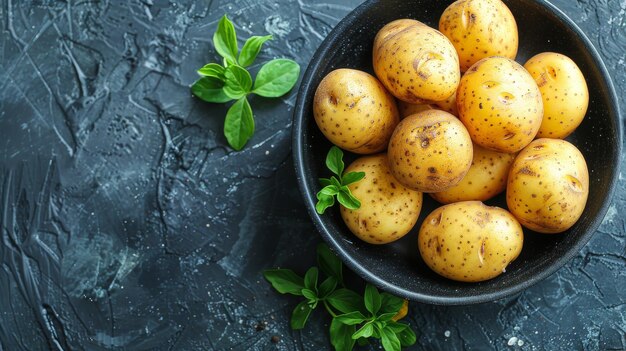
x=430 y=151
x=470 y=242
x=500 y=104
x=548 y=186
x=354 y=111
x=448 y=105
x=485 y=179
x=415 y=62
x=388 y=210
x=564 y=92
x=480 y=29
x=406 y=109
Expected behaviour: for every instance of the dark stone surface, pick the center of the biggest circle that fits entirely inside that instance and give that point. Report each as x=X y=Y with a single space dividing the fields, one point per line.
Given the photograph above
x=128 y=225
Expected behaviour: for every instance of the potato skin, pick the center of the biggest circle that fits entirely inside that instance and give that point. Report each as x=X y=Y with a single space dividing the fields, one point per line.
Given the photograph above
x=415 y=62
x=354 y=111
x=479 y=29
x=500 y=104
x=448 y=105
x=469 y=241
x=406 y=109
x=564 y=92
x=548 y=186
x=388 y=209
x=486 y=178
x=430 y=151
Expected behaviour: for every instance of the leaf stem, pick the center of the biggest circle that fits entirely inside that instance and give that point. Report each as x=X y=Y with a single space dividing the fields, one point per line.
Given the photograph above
x=329 y=309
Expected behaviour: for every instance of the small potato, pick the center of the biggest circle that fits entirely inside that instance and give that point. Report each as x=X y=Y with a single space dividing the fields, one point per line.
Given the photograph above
x=485 y=179
x=354 y=111
x=430 y=151
x=469 y=241
x=388 y=209
x=564 y=92
x=415 y=62
x=407 y=109
x=479 y=29
x=448 y=105
x=500 y=104
x=548 y=186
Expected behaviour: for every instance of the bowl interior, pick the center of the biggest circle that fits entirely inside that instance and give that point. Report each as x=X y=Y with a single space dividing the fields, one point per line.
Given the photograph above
x=397 y=267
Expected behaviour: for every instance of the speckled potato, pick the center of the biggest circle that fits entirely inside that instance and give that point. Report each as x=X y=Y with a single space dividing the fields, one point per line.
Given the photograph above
x=388 y=209
x=430 y=151
x=448 y=105
x=354 y=111
x=479 y=29
x=406 y=109
x=548 y=186
x=415 y=62
x=564 y=92
x=486 y=178
x=500 y=104
x=469 y=241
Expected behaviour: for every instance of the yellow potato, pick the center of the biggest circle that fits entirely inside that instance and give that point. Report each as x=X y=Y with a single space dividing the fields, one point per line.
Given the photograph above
x=354 y=111
x=500 y=104
x=430 y=151
x=548 y=186
x=388 y=210
x=470 y=242
x=415 y=62
x=564 y=92
x=485 y=179
x=479 y=29
x=448 y=105
x=406 y=109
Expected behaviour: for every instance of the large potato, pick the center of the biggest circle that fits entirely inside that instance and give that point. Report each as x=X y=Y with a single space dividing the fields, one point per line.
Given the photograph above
x=448 y=105
x=354 y=111
x=470 y=242
x=479 y=29
x=388 y=209
x=485 y=179
x=430 y=151
x=415 y=62
x=564 y=92
x=548 y=186
x=500 y=104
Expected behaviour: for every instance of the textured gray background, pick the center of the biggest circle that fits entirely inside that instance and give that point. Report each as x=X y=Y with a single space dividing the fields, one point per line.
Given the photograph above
x=128 y=225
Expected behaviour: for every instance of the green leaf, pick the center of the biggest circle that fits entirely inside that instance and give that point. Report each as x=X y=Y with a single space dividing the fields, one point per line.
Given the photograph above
x=285 y=281
x=390 y=340
x=324 y=202
x=310 y=279
x=239 y=124
x=348 y=200
x=238 y=82
x=390 y=303
x=251 y=49
x=212 y=70
x=210 y=89
x=276 y=78
x=346 y=301
x=397 y=327
x=327 y=287
x=309 y=294
x=334 y=161
x=335 y=181
x=225 y=40
x=329 y=190
x=352 y=177
x=386 y=317
x=362 y=342
x=406 y=336
x=352 y=318
x=372 y=299
x=325 y=182
x=329 y=263
x=341 y=335
x=365 y=332
x=300 y=315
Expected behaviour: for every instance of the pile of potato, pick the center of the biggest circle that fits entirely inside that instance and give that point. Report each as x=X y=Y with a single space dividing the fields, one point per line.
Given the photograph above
x=463 y=122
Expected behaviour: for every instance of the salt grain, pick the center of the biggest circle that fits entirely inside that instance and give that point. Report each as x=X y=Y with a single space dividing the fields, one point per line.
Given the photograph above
x=446 y=333
x=512 y=341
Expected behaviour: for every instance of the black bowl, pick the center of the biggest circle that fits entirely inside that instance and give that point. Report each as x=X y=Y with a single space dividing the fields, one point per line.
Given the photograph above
x=397 y=267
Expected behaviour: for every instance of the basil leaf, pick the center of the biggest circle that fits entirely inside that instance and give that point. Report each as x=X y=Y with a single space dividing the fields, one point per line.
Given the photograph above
x=351 y=318
x=276 y=78
x=334 y=160
x=346 y=301
x=225 y=40
x=325 y=182
x=390 y=340
x=397 y=327
x=341 y=335
x=406 y=336
x=386 y=317
x=251 y=49
x=324 y=202
x=239 y=124
x=212 y=70
x=285 y=281
x=335 y=181
x=327 y=286
x=365 y=332
x=238 y=82
x=348 y=201
x=329 y=263
x=311 y=296
x=352 y=177
x=390 y=303
x=372 y=299
x=330 y=190
x=300 y=314
x=210 y=89
x=310 y=279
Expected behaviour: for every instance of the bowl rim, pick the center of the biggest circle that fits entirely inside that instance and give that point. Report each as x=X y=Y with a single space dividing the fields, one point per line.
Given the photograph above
x=298 y=145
